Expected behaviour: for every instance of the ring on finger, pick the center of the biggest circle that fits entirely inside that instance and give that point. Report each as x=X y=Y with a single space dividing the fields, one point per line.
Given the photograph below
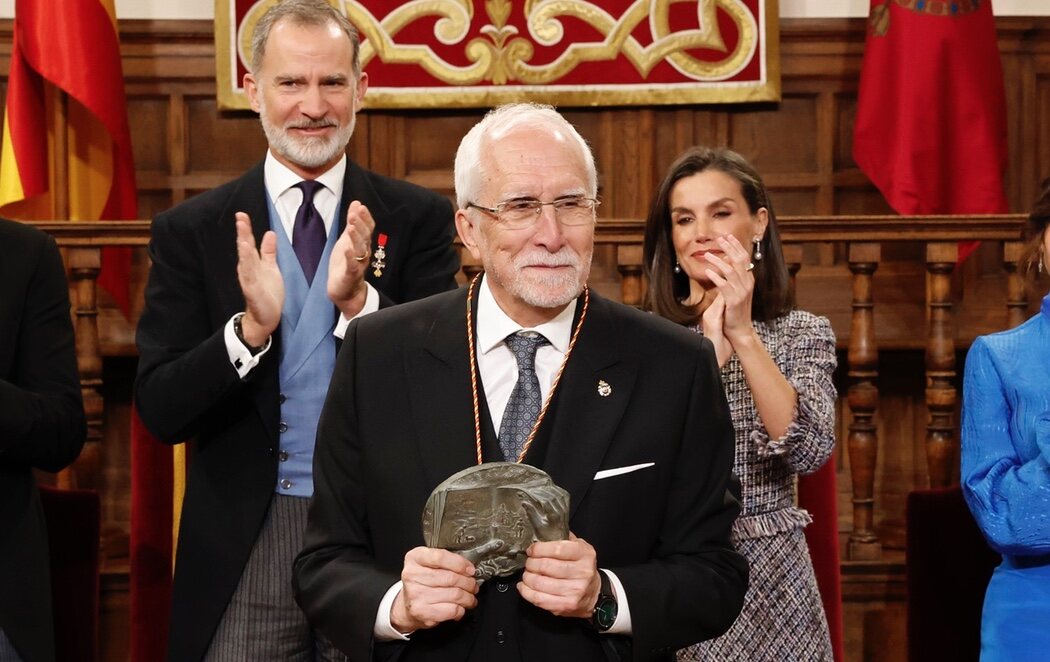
x=750 y=266
x=361 y=258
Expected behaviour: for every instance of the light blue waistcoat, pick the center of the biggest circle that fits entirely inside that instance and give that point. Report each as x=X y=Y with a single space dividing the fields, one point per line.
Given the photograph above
x=307 y=360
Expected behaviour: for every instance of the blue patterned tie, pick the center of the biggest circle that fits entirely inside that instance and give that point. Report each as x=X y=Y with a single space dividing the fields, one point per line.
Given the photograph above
x=524 y=404
x=308 y=235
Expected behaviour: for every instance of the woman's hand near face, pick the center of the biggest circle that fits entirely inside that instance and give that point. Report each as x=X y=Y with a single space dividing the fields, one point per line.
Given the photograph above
x=711 y=324
x=736 y=284
x=775 y=397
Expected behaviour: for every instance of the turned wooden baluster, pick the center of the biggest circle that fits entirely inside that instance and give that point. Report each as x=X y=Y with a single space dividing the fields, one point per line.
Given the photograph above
x=940 y=364
x=863 y=398
x=1016 y=296
x=84 y=266
x=629 y=264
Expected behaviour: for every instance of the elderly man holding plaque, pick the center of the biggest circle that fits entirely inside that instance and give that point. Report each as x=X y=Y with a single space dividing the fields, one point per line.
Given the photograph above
x=601 y=529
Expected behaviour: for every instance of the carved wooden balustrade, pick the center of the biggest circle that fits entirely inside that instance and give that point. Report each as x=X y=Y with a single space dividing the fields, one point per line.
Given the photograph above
x=862 y=239
x=82 y=243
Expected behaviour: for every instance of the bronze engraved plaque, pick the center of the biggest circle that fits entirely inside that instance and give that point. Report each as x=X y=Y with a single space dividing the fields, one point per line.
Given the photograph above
x=491 y=513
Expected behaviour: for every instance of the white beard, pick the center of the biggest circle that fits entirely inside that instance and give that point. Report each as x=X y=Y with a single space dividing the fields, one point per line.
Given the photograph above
x=553 y=290
x=310 y=151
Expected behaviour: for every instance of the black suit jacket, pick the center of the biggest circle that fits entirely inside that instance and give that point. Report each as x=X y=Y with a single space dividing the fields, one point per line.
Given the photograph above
x=398 y=421
x=187 y=388
x=41 y=425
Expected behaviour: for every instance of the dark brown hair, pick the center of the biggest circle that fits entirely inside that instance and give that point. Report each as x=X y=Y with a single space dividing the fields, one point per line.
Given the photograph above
x=773 y=295
x=1032 y=235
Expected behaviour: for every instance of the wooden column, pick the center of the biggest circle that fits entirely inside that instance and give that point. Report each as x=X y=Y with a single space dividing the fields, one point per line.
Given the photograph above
x=84 y=267
x=629 y=264
x=940 y=363
x=863 y=398
x=1016 y=296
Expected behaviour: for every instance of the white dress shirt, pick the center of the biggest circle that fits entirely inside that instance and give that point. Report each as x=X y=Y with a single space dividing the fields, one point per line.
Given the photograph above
x=286 y=197
x=498 y=370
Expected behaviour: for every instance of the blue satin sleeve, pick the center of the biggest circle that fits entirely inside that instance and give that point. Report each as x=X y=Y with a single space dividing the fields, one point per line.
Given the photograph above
x=1006 y=440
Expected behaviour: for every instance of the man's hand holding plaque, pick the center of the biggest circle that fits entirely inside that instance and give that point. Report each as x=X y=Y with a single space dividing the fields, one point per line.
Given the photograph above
x=561 y=576
x=437 y=586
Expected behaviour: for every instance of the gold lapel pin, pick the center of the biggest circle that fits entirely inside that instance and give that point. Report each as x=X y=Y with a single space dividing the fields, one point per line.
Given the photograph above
x=604 y=389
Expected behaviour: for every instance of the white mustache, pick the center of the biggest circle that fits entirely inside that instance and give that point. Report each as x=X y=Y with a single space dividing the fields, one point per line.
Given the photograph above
x=310 y=124
x=545 y=259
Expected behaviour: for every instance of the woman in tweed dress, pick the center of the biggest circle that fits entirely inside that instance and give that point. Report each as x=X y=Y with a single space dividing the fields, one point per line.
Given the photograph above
x=714 y=263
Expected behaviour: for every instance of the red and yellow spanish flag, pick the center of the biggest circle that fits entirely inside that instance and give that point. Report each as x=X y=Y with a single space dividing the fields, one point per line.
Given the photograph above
x=66 y=94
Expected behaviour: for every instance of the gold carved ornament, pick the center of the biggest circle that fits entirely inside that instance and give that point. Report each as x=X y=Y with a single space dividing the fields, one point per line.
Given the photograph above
x=502 y=55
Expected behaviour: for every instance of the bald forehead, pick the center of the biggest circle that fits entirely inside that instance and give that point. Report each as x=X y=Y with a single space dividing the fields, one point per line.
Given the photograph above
x=529 y=144
x=550 y=130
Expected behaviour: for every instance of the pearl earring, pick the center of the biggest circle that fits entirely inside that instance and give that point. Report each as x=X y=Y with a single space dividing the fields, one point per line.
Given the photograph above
x=756 y=251
x=678 y=267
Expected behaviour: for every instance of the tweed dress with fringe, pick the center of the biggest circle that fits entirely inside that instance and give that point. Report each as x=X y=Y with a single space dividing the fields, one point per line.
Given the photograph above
x=783 y=617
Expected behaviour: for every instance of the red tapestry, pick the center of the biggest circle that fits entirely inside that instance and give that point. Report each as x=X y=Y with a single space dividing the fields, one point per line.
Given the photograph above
x=480 y=53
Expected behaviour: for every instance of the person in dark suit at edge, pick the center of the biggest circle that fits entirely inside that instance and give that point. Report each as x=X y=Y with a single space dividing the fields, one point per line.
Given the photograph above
x=250 y=290
x=635 y=426
x=42 y=426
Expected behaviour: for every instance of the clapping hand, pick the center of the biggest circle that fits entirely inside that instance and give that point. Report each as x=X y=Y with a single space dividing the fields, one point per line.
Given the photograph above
x=260 y=281
x=711 y=324
x=349 y=261
x=731 y=275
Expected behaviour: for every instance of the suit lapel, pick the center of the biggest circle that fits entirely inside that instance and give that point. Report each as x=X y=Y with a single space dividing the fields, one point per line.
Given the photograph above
x=586 y=420
x=308 y=331
x=358 y=186
x=248 y=195
x=438 y=375
x=251 y=199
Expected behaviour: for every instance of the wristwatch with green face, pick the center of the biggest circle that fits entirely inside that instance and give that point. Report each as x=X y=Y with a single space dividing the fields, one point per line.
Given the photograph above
x=605 y=609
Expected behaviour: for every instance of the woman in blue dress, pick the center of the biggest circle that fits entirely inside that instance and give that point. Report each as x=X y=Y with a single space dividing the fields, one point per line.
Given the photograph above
x=1006 y=464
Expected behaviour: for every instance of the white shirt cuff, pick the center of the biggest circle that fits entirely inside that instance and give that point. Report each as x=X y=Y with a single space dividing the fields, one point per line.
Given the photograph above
x=622 y=624
x=383 y=630
x=371 y=305
x=240 y=356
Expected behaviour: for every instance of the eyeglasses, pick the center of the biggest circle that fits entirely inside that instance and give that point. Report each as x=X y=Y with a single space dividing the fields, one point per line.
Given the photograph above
x=523 y=213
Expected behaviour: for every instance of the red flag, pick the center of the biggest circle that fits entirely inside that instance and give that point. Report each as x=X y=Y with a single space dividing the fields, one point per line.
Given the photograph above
x=930 y=130
x=73 y=48
x=818 y=493
x=157 y=485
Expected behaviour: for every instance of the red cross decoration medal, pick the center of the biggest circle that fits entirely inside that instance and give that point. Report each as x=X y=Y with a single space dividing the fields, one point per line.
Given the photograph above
x=379 y=263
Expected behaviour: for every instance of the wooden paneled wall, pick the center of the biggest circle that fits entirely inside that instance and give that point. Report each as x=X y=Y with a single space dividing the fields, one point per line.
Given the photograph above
x=184 y=145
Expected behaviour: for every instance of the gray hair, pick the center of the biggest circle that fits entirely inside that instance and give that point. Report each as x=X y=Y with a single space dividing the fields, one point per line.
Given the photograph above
x=306 y=13
x=498 y=123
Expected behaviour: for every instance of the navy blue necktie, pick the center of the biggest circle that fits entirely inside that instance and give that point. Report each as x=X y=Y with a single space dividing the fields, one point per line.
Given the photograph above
x=308 y=235
x=524 y=404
